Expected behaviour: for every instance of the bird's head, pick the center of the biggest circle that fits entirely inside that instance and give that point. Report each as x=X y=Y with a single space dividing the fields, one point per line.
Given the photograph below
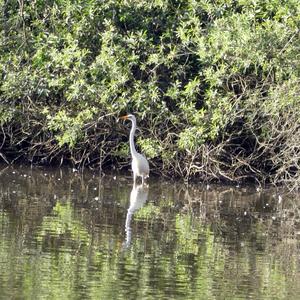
x=128 y=117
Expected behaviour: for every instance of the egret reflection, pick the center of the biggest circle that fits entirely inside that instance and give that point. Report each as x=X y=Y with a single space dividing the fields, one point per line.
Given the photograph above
x=138 y=197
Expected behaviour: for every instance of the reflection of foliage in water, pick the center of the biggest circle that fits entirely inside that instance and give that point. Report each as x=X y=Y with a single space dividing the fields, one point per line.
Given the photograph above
x=62 y=223
x=187 y=243
x=148 y=212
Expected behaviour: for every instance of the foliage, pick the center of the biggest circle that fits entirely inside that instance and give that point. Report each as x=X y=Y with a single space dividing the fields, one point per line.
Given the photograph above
x=209 y=81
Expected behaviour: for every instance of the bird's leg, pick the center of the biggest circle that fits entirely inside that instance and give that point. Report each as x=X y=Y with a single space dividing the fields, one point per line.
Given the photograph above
x=143 y=178
x=134 y=178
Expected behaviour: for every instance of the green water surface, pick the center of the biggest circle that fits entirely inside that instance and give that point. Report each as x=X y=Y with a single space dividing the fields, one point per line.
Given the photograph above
x=67 y=235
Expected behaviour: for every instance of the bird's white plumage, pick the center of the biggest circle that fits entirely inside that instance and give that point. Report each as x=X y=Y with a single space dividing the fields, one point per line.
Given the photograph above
x=139 y=165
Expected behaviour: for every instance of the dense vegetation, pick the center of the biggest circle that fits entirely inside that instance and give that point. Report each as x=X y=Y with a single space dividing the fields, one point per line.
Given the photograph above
x=214 y=85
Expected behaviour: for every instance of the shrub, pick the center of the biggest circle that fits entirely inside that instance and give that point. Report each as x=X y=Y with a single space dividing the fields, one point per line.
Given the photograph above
x=212 y=84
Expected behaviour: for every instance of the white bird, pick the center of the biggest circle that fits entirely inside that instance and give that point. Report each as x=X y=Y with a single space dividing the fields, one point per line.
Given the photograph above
x=139 y=164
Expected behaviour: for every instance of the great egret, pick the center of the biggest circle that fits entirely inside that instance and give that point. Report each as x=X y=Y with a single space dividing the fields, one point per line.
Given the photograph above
x=139 y=164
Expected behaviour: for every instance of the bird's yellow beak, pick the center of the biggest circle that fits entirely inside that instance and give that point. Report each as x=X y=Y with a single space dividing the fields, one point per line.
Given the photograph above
x=124 y=118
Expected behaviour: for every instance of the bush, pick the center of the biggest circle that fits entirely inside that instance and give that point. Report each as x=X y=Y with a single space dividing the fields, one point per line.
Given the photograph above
x=214 y=85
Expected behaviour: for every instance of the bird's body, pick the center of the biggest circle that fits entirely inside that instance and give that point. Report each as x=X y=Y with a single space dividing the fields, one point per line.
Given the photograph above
x=139 y=164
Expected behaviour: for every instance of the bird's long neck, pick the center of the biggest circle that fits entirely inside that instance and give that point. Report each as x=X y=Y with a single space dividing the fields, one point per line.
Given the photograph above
x=131 y=138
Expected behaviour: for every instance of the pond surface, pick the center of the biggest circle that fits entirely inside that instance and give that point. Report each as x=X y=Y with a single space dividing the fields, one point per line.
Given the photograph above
x=67 y=235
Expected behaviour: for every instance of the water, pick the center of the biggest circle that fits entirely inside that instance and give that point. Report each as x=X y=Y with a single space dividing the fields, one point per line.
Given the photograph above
x=66 y=235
